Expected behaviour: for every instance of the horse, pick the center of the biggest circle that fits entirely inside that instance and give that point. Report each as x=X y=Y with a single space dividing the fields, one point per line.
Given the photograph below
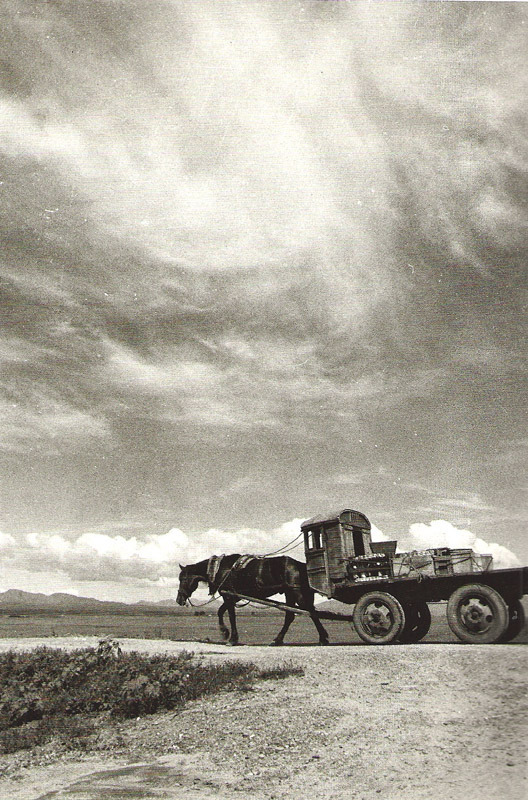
x=256 y=576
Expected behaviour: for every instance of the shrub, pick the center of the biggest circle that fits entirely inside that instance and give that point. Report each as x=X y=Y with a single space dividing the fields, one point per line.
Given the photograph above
x=43 y=690
x=70 y=732
x=281 y=671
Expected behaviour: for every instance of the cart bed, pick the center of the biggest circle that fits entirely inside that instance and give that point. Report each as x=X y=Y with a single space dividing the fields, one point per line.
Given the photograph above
x=511 y=583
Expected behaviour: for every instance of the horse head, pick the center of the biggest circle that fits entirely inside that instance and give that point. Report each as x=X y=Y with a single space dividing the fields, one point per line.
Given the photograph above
x=188 y=584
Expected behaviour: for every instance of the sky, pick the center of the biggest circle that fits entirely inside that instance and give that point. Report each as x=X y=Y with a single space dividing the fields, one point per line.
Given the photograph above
x=258 y=260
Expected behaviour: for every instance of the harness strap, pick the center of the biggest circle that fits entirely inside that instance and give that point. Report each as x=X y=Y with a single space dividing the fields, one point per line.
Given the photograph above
x=243 y=561
x=213 y=565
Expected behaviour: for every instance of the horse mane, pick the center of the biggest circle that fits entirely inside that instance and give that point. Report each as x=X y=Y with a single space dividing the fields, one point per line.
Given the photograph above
x=195 y=569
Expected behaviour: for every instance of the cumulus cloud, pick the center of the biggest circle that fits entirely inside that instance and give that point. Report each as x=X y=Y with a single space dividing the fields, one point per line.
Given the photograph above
x=154 y=560
x=440 y=533
x=103 y=557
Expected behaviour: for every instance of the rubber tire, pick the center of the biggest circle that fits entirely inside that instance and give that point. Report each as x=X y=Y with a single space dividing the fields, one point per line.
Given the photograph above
x=417 y=623
x=517 y=621
x=496 y=622
x=395 y=613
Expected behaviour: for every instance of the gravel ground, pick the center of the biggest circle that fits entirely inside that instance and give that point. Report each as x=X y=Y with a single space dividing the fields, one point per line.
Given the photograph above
x=438 y=721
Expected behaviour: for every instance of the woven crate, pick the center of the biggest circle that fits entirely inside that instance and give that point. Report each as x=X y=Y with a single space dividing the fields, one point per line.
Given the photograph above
x=417 y=562
x=462 y=561
x=482 y=562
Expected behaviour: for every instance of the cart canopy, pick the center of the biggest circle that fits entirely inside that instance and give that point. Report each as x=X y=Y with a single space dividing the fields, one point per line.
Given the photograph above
x=346 y=516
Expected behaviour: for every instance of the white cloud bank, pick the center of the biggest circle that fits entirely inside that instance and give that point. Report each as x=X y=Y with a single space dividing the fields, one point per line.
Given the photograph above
x=154 y=559
x=440 y=533
x=151 y=561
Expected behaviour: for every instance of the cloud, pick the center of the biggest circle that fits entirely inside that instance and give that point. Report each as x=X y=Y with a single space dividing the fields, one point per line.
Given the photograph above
x=267 y=383
x=348 y=479
x=102 y=557
x=465 y=501
x=23 y=135
x=377 y=534
x=440 y=533
x=48 y=425
x=7 y=542
x=263 y=227
x=154 y=560
x=513 y=453
x=257 y=166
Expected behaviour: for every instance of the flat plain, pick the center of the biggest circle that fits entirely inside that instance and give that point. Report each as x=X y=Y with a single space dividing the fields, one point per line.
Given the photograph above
x=255 y=627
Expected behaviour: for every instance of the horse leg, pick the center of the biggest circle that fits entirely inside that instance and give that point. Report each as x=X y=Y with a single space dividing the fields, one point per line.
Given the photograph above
x=233 y=639
x=224 y=630
x=306 y=600
x=289 y=616
x=323 y=633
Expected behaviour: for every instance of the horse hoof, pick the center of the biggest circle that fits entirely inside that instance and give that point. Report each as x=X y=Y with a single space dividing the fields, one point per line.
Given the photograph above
x=276 y=644
x=324 y=642
x=232 y=644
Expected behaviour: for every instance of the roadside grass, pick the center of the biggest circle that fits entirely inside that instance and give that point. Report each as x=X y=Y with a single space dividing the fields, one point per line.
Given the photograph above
x=49 y=693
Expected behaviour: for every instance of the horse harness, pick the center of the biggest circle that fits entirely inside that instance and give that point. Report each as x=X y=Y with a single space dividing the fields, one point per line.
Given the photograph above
x=214 y=570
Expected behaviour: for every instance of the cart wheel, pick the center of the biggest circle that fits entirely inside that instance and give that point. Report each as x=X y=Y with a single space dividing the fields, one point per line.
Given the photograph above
x=417 y=623
x=477 y=614
x=516 y=623
x=378 y=618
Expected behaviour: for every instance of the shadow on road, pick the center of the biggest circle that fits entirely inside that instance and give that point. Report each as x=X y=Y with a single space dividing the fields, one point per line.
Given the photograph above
x=137 y=782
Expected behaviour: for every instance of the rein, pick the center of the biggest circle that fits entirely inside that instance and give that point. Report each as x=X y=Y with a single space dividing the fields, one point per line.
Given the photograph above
x=199 y=605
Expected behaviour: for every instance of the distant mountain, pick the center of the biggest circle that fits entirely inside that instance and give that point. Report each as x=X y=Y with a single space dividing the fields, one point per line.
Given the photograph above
x=334 y=606
x=18 y=601
x=61 y=602
x=18 y=596
x=168 y=603
x=57 y=601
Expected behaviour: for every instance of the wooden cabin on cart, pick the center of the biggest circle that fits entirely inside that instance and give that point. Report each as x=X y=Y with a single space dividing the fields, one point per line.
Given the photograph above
x=330 y=541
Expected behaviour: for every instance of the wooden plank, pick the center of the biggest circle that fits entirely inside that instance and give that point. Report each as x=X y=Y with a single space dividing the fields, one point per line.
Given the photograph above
x=271 y=603
x=294 y=609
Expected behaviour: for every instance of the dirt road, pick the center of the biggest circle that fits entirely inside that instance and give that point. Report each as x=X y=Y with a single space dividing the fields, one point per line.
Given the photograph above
x=415 y=722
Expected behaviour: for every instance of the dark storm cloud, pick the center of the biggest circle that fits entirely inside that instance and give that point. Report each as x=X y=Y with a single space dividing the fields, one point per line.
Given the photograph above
x=262 y=228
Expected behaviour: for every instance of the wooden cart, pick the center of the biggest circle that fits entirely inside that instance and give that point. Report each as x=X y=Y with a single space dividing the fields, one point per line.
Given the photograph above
x=390 y=591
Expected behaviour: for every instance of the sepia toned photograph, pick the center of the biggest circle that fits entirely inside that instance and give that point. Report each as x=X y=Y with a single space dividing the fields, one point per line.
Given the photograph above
x=263 y=337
